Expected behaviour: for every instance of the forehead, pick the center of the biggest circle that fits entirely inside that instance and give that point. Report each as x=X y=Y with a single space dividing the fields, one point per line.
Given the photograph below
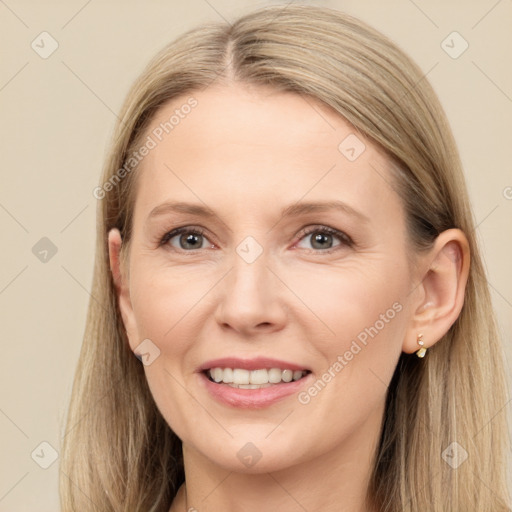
x=243 y=147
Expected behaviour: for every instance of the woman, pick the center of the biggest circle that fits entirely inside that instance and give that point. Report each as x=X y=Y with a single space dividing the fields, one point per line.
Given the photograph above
x=286 y=246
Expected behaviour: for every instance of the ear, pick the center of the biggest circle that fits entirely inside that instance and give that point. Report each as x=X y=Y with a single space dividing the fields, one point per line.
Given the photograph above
x=120 y=277
x=440 y=295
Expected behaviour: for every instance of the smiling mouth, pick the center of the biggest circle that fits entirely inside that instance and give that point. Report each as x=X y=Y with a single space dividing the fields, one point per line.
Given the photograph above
x=253 y=379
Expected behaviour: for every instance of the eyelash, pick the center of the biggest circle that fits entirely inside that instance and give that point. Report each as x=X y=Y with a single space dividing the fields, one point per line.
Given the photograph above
x=344 y=239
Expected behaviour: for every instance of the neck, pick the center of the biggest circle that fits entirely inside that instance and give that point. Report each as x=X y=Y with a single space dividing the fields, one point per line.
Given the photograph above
x=336 y=481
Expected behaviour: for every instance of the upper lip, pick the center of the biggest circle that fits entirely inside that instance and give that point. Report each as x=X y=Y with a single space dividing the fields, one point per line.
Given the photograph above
x=255 y=363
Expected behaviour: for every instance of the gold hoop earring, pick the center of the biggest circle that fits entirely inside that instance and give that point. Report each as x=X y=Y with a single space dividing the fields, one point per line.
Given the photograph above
x=422 y=351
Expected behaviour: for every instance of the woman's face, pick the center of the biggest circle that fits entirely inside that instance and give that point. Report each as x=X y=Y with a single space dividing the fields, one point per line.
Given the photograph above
x=291 y=262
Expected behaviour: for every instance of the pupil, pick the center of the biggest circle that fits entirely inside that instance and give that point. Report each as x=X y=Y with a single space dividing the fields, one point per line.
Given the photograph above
x=189 y=240
x=321 y=239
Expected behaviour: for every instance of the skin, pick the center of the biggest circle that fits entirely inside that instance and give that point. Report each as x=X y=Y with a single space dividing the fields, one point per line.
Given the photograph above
x=295 y=302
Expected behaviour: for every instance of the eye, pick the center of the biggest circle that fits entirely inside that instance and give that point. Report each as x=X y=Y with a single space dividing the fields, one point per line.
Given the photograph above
x=323 y=238
x=186 y=239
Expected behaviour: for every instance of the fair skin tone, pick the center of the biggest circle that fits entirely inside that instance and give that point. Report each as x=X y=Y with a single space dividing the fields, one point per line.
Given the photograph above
x=248 y=153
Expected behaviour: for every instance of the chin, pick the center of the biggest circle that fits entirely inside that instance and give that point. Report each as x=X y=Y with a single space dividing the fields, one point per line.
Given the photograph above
x=251 y=453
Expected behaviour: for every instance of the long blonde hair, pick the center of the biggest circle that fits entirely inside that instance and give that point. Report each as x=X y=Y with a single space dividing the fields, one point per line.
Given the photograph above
x=120 y=455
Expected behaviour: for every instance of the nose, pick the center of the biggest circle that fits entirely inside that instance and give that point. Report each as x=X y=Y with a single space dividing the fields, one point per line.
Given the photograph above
x=251 y=298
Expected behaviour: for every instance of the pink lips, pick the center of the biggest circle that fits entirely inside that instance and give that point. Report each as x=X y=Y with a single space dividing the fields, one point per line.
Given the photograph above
x=251 y=398
x=256 y=363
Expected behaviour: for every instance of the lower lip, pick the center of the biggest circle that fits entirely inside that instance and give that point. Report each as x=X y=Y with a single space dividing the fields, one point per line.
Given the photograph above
x=252 y=398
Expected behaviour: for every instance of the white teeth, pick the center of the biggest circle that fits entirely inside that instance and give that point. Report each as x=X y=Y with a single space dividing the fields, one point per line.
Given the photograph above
x=239 y=376
x=287 y=375
x=274 y=375
x=228 y=375
x=261 y=378
x=217 y=374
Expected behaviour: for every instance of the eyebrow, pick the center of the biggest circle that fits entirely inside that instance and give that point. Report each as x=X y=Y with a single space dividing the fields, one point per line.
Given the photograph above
x=293 y=210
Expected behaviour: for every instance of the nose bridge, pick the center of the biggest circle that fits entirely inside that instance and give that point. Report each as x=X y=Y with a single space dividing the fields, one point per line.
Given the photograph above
x=249 y=279
x=250 y=296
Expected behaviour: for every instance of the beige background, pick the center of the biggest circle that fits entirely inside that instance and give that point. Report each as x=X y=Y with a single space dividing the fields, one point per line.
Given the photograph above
x=57 y=115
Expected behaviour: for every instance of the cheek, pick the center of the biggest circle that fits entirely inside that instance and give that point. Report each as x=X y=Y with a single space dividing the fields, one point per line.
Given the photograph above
x=164 y=303
x=363 y=312
x=366 y=317
x=355 y=303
